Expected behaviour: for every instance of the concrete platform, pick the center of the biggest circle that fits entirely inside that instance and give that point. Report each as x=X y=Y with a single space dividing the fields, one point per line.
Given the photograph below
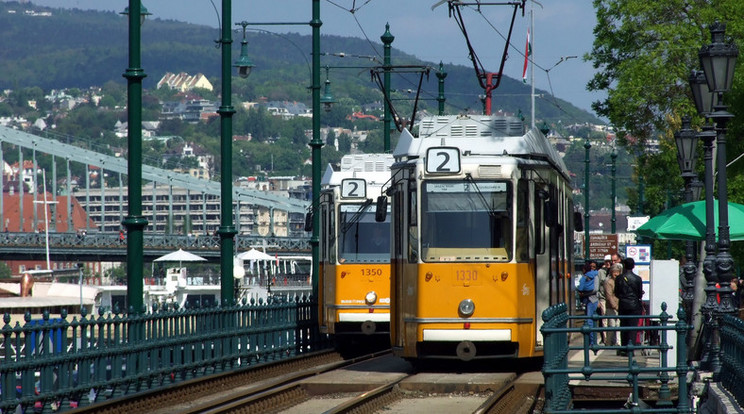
x=446 y=383
x=360 y=377
x=436 y=404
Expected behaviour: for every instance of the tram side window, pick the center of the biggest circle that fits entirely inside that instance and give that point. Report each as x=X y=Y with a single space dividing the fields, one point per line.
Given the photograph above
x=539 y=223
x=332 y=238
x=324 y=234
x=522 y=250
x=412 y=223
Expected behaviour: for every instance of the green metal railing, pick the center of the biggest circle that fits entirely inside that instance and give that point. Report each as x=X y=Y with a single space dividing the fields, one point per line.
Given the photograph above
x=54 y=365
x=556 y=332
x=732 y=356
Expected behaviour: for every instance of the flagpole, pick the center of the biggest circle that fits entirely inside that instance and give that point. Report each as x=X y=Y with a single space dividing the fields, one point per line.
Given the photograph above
x=532 y=67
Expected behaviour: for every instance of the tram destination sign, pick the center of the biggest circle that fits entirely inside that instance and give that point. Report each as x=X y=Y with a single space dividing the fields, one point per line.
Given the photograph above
x=601 y=245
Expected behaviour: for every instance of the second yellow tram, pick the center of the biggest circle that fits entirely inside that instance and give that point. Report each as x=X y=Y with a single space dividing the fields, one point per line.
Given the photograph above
x=354 y=284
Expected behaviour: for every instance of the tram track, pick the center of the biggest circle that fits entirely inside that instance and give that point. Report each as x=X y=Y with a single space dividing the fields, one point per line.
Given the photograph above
x=512 y=397
x=287 y=391
x=326 y=383
x=197 y=395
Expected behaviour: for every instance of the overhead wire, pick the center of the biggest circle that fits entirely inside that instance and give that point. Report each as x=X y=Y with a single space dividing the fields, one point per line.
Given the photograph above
x=471 y=51
x=554 y=101
x=374 y=48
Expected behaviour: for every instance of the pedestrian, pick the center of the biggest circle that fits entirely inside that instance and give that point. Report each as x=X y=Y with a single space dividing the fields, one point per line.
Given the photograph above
x=122 y=237
x=629 y=292
x=588 y=294
x=602 y=275
x=612 y=304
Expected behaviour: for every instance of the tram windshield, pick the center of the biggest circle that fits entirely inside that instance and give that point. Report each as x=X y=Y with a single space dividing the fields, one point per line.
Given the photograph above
x=466 y=221
x=361 y=238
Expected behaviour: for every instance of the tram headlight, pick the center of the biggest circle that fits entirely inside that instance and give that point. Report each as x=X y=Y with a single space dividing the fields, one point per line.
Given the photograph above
x=466 y=307
x=371 y=298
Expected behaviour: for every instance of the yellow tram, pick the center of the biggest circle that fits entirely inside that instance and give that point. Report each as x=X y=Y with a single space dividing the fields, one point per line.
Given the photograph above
x=354 y=284
x=482 y=238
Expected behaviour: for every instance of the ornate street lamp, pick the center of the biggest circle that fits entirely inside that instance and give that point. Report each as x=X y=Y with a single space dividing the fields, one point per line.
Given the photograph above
x=315 y=143
x=718 y=60
x=327 y=99
x=613 y=193
x=702 y=96
x=686 y=140
x=704 y=100
x=243 y=63
x=143 y=13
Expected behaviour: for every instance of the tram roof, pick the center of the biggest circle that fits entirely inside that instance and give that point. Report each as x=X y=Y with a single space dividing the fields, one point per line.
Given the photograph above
x=479 y=135
x=374 y=168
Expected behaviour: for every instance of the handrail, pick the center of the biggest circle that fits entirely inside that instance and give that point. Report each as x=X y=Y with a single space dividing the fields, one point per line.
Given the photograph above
x=558 y=374
x=60 y=364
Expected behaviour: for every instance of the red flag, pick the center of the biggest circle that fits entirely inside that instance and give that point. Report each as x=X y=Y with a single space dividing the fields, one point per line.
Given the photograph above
x=527 y=54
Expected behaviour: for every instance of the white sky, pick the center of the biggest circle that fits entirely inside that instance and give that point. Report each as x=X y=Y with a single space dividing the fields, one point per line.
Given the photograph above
x=561 y=28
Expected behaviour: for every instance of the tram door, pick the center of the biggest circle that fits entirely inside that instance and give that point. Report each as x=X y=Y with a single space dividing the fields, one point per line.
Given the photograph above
x=398 y=262
x=543 y=288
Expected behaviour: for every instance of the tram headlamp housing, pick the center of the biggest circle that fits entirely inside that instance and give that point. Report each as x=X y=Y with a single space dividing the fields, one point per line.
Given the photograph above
x=466 y=308
x=370 y=298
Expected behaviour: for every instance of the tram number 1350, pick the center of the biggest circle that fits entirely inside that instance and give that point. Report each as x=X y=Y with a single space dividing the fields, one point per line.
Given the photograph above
x=371 y=272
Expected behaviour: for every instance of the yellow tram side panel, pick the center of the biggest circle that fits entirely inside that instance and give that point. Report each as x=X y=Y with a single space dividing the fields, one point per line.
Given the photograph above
x=345 y=292
x=495 y=296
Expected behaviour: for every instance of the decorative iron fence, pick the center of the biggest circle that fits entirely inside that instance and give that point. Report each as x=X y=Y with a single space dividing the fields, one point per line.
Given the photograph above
x=97 y=239
x=732 y=356
x=55 y=364
x=556 y=332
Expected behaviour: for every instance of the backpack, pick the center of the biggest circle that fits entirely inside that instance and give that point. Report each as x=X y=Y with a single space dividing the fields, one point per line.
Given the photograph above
x=587 y=285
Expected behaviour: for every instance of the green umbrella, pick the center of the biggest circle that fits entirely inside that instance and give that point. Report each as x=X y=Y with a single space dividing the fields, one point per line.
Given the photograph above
x=687 y=222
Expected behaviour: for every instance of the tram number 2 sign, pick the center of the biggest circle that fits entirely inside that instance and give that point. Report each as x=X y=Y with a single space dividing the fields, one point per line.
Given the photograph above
x=353 y=188
x=443 y=160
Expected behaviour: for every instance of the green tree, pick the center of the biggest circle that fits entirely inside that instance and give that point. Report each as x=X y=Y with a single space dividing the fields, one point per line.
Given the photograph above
x=330 y=138
x=344 y=143
x=644 y=52
x=4 y=270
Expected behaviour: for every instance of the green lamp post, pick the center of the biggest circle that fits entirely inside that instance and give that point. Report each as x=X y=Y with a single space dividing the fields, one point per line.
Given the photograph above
x=135 y=222
x=587 y=146
x=613 y=157
x=387 y=40
x=227 y=229
x=441 y=74
x=315 y=143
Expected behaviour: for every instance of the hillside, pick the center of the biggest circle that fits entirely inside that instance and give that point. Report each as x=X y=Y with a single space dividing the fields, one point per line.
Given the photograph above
x=76 y=48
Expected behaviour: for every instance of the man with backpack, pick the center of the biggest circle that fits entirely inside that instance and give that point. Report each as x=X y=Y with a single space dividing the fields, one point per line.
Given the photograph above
x=587 y=290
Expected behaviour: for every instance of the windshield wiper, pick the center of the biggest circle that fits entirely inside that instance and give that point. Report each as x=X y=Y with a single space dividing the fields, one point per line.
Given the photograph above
x=491 y=211
x=357 y=216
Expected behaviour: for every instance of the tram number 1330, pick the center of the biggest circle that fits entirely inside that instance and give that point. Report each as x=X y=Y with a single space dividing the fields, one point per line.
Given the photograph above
x=466 y=277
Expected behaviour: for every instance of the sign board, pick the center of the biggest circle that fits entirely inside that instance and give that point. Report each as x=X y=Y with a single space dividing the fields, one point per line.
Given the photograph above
x=635 y=222
x=640 y=253
x=601 y=245
x=662 y=291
